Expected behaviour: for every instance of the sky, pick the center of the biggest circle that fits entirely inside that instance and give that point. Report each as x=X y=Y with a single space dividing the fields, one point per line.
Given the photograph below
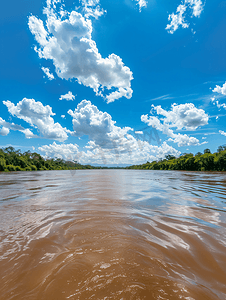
x=116 y=82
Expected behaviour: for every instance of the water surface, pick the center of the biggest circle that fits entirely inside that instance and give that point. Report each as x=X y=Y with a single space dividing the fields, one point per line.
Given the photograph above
x=112 y=234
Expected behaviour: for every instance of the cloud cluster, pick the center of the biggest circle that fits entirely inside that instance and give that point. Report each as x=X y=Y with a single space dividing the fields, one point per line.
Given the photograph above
x=66 y=39
x=69 y=96
x=63 y=151
x=217 y=103
x=99 y=126
x=183 y=116
x=109 y=142
x=91 y=8
x=108 y=156
x=220 y=90
x=6 y=127
x=38 y=116
x=178 y=19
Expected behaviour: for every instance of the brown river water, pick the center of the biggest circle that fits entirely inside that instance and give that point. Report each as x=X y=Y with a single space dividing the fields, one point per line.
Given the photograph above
x=112 y=234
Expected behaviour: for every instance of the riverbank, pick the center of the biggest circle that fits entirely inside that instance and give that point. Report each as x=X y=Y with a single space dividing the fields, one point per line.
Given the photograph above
x=13 y=160
x=188 y=162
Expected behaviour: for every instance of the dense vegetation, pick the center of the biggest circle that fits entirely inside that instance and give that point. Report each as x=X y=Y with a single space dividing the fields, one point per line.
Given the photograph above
x=200 y=162
x=14 y=160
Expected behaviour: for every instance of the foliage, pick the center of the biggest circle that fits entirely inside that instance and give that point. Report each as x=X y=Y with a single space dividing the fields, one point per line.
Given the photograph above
x=200 y=162
x=13 y=160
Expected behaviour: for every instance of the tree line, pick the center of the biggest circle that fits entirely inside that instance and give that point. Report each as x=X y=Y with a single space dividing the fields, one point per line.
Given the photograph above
x=206 y=161
x=13 y=160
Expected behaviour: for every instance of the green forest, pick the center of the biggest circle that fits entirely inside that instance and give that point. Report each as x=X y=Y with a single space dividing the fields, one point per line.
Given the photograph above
x=206 y=161
x=14 y=160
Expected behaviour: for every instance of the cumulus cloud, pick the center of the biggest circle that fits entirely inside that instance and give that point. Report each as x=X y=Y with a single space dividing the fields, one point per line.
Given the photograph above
x=66 y=39
x=28 y=133
x=108 y=156
x=222 y=132
x=99 y=126
x=141 y=153
x=180 y=139
x=220 y=90
x=178 y=19
x=183 y=116
x=69 y=96
x=38 y=116
x=63 y=151
x=47 y=73
x=7 y=126
x=108 y=143
x=111 y=143
x=183 y=140
x=4 y=131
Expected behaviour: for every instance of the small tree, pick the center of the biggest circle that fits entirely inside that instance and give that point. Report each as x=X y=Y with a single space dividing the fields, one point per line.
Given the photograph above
x=198 y=154
x=2 y=164
x=169 y=157
x=220 y=148
x=207 y=151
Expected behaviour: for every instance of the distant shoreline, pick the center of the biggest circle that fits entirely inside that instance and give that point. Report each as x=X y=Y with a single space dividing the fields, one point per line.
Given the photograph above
x=188 y=162
x=12 y=160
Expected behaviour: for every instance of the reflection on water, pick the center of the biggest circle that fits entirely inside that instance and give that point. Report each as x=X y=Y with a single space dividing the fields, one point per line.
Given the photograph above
x=112 y=234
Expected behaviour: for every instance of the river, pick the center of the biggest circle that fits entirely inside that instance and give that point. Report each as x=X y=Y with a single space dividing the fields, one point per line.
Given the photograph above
x=112 y=234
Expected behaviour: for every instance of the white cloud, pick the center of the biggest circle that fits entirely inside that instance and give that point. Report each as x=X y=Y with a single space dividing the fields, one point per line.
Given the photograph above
x=99 y=126
x=110 y=143
x=178 y=19
x=6 y=127
x=63 y=151
x=183 y=140
x=92 y=9
x=69 y=96
x=220 y=90
x=11 y=126
x=180 y=139
x=67 y=41
x=63 y=116
x=141 y=153
x=38 y=116
x=47 y=73
x=108 y=156
x=196 y=6
x=28 y=133
x=222 y=132
x=4 y=131
x=216 y=102
x=141 y=3
x=183 y=116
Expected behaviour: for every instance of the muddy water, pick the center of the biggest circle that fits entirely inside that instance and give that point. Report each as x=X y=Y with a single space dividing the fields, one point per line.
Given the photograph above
x=112 y=234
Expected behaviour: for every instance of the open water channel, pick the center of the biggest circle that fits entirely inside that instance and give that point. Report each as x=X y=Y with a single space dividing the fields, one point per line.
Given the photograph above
x=112 y=234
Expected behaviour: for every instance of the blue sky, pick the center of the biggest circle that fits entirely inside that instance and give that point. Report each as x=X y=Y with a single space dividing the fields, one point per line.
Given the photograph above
x=113 y=82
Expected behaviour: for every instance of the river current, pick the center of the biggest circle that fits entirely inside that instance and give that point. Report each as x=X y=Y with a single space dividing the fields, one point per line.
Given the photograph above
x=112 y=234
